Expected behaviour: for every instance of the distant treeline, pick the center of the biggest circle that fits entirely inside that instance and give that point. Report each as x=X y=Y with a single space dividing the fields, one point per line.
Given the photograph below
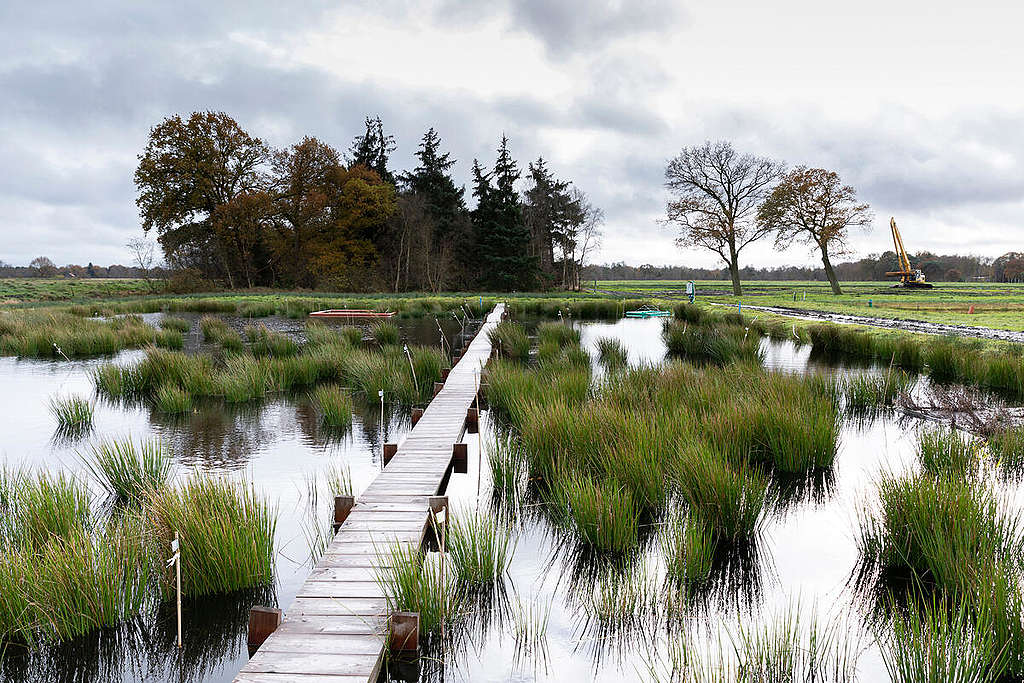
x=228 y=208
x=48 y=269
x=939 y=268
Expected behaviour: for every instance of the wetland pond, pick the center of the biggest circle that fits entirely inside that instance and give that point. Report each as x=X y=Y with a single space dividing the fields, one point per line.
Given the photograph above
x=279 y=445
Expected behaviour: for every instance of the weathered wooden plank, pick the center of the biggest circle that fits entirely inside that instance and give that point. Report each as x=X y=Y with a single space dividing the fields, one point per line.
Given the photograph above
x=304 y=663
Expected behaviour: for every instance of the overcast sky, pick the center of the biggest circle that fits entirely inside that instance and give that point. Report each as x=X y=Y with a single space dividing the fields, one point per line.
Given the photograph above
x=919 y=105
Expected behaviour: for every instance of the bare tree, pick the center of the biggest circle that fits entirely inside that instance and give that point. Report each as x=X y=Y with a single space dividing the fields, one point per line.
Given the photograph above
x=44 y=266
x=143 y=253
x=812 y=205
x=715 y=195
x=582 y=234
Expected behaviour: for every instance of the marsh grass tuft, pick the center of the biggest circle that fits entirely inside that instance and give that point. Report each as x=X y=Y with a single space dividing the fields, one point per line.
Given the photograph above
x=334 y=405
x=172 y=400
x=179 y=325
x=480 y=549
x=948 y=452
x=385 y=333
x=226 y=532
x=73 y=413
x=128 y=471
x=412 y=584
x=611 y=353
x=511 y=341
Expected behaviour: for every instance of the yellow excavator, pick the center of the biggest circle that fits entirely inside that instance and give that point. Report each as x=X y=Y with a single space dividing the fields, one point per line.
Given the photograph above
x=908 y=275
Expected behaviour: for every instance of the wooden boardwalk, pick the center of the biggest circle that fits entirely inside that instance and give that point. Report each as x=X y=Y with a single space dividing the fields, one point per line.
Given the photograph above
x=335 y=629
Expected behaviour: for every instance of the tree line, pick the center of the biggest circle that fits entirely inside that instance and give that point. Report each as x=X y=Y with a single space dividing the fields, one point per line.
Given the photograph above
x=873 y=267
x=231 y=209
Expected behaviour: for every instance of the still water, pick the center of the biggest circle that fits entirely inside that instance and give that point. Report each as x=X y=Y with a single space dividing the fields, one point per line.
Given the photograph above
x=278 y=445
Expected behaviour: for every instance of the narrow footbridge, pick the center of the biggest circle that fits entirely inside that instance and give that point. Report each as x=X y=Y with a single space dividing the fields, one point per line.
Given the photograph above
x=337 y=628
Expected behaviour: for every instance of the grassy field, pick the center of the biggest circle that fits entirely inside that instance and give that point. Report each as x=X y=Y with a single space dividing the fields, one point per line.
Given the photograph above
x=18 y=290
x=996 y=305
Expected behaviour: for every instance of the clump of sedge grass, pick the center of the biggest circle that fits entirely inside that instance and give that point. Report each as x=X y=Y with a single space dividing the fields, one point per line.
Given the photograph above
x=412 y=584
x=940 y=641
x=274 y=344
x=71 y=412
x=603 y=515
x=717 y=344
x=172 y=400
x=334 y=405
x=611 y=353
x=339 y=479
x=179 y=325
x=558 y=333
x=226 y=534
x=216 y=331
x=1007 y=445
x=511 y=341
x=480 y=549
x=947 y=452
x=169 y=339
x=507 y=466
x=385 y=333
x=934 y=530
x=128 y=471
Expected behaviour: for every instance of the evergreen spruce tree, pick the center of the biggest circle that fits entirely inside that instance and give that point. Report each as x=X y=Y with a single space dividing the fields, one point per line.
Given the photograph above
x=549 y=211
x=373 y=148
x=432 y=180
x=502 y=238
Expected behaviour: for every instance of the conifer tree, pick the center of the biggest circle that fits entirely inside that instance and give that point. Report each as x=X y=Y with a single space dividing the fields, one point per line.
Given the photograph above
x=549 y=211
x=373 y=148
x=502 y=238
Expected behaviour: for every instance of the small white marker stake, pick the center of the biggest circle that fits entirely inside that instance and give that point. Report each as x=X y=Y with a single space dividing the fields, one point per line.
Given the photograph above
x=176 y=561
x=381 y=394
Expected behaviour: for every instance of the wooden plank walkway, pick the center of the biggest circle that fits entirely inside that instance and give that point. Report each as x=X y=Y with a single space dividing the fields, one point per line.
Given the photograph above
x=335 y=629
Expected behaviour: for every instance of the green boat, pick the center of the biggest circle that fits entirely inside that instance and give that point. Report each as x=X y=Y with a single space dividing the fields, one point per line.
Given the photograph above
x=648 y=311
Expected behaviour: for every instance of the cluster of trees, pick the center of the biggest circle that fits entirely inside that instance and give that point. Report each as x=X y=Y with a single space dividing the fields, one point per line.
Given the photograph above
x=948 y=268
x=723 y=201
x=226 y=205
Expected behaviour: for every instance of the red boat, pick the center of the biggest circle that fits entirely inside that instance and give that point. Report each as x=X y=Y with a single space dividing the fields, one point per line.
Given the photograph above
x=351 y=313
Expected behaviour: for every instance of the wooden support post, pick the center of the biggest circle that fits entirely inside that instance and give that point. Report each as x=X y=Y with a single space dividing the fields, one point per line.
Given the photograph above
x=472 y=420
x=438 y=386
x=262 y=622
x=342 y=506
x=444 y=374
x=389 y=452
x=481 y=395
x=460 y=458
x=404 y=631
x=417 y=413
x=437 y=503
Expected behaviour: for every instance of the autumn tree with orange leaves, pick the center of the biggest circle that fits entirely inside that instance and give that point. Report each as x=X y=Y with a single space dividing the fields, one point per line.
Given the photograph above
x=813 y=206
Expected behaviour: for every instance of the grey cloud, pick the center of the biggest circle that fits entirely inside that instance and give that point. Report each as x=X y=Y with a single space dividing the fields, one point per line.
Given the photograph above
x=565 y=26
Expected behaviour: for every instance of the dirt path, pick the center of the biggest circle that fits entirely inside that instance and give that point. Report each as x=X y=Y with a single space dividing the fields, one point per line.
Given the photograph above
x=888 y=323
